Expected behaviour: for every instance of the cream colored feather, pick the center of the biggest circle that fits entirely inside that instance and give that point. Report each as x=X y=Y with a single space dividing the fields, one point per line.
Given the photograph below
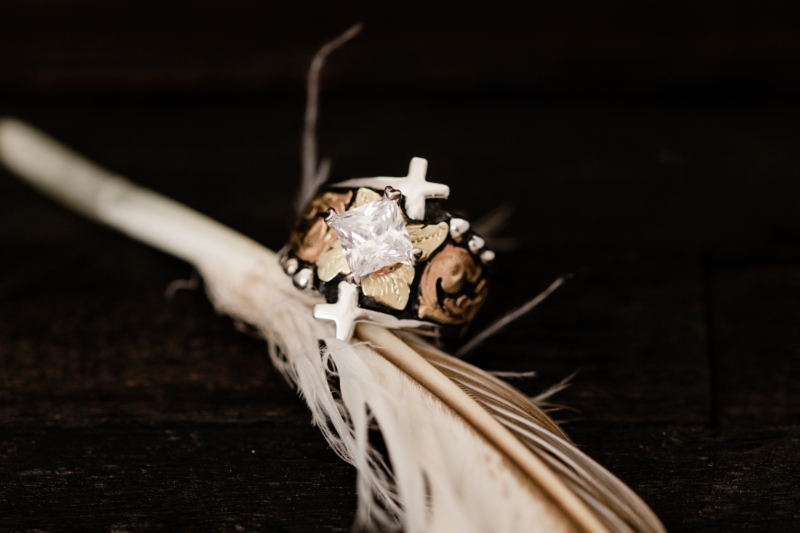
x=466 y=452
x=449 y=470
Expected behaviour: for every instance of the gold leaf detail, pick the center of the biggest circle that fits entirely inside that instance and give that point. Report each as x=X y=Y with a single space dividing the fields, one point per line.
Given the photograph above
x=365 y=196
x=455 y=271
x=332 y=263
x=428 y=238
x=312 y=236
x=390 y=288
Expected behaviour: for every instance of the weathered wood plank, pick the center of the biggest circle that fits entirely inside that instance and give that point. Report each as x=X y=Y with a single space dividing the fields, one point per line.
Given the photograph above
x=274 y=475
x=700 y=479
x=630 y=324
x=757 y=342
x=577 y=47
x=627 y=197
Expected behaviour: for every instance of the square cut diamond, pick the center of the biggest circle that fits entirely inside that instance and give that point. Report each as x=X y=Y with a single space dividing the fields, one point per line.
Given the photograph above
x=373 y=236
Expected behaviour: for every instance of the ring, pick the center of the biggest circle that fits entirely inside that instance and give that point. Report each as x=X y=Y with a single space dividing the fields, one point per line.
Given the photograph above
x=382 y=250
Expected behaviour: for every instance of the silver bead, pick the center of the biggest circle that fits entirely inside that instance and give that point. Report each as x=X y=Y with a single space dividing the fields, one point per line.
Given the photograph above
x=487 y=256
x=302 y=278
x=458 y=227
x=290 y=266
x=475 y=244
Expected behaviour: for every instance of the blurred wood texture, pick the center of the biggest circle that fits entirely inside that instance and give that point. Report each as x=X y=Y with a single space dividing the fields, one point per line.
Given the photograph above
x=651 y=148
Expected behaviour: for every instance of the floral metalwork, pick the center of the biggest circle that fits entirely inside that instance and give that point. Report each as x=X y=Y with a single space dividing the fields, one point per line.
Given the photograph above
x=312 y=237
x=455 y=273
x=391 y=288
x=428 y=238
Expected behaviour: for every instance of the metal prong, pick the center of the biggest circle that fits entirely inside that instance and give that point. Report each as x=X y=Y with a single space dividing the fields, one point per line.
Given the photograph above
x=352 y=278
x=475 y=244
x=415 y=254
x=391 y=193
x=458 y=227
x=302 y=279
x=487 y=256
x=330 y=214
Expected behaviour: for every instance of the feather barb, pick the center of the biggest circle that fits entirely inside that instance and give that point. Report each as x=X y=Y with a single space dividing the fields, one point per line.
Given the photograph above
x=421 y=371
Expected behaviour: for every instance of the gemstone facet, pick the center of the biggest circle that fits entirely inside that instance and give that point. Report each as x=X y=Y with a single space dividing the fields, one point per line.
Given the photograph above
x=373 y=236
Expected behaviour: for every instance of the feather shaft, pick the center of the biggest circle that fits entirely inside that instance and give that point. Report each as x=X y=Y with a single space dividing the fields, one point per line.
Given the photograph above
x=315 y=175
x=103 y=196
x=510 y=317
x=410 y=362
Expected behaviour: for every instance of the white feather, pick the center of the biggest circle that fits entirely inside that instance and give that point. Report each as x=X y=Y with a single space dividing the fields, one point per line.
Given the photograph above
x=445 y=473
x=444 y=477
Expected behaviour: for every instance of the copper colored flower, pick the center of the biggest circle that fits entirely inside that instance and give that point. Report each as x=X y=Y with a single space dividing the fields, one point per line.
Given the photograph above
x=452 y=271
x=312 y=237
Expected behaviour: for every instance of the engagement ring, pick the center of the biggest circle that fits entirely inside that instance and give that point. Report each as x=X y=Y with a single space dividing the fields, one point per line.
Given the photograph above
x=382 y=250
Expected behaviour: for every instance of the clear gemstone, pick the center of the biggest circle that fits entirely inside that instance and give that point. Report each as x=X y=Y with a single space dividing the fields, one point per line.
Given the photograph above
x=373 y=236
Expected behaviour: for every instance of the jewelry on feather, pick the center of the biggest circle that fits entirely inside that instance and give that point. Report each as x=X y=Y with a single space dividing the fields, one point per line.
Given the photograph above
x=382 y=250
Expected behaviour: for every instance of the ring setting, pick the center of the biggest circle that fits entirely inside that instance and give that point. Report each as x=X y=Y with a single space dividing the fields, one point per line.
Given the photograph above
x=382 y=250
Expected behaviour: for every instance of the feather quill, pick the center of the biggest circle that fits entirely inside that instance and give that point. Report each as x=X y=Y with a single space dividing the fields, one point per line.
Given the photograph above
x=466 y=452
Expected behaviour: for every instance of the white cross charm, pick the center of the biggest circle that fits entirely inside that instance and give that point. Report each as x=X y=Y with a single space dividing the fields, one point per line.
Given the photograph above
x=414 y=187
x=343 y=313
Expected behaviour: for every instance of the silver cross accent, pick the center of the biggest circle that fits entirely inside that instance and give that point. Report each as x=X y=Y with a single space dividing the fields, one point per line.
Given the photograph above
x=414 y=187
x=345 y=313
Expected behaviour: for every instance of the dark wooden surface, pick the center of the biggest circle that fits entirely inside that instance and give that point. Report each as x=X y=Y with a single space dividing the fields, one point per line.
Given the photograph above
x=652 y=149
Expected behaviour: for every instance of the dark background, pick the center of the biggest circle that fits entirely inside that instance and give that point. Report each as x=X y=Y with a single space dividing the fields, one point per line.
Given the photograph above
x=652 y=148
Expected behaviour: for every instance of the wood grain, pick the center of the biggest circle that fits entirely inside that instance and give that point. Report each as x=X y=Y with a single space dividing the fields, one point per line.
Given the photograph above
x=651 y=150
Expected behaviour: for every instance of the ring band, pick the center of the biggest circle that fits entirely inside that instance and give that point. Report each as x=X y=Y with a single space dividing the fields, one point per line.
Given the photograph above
x=383 y=250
